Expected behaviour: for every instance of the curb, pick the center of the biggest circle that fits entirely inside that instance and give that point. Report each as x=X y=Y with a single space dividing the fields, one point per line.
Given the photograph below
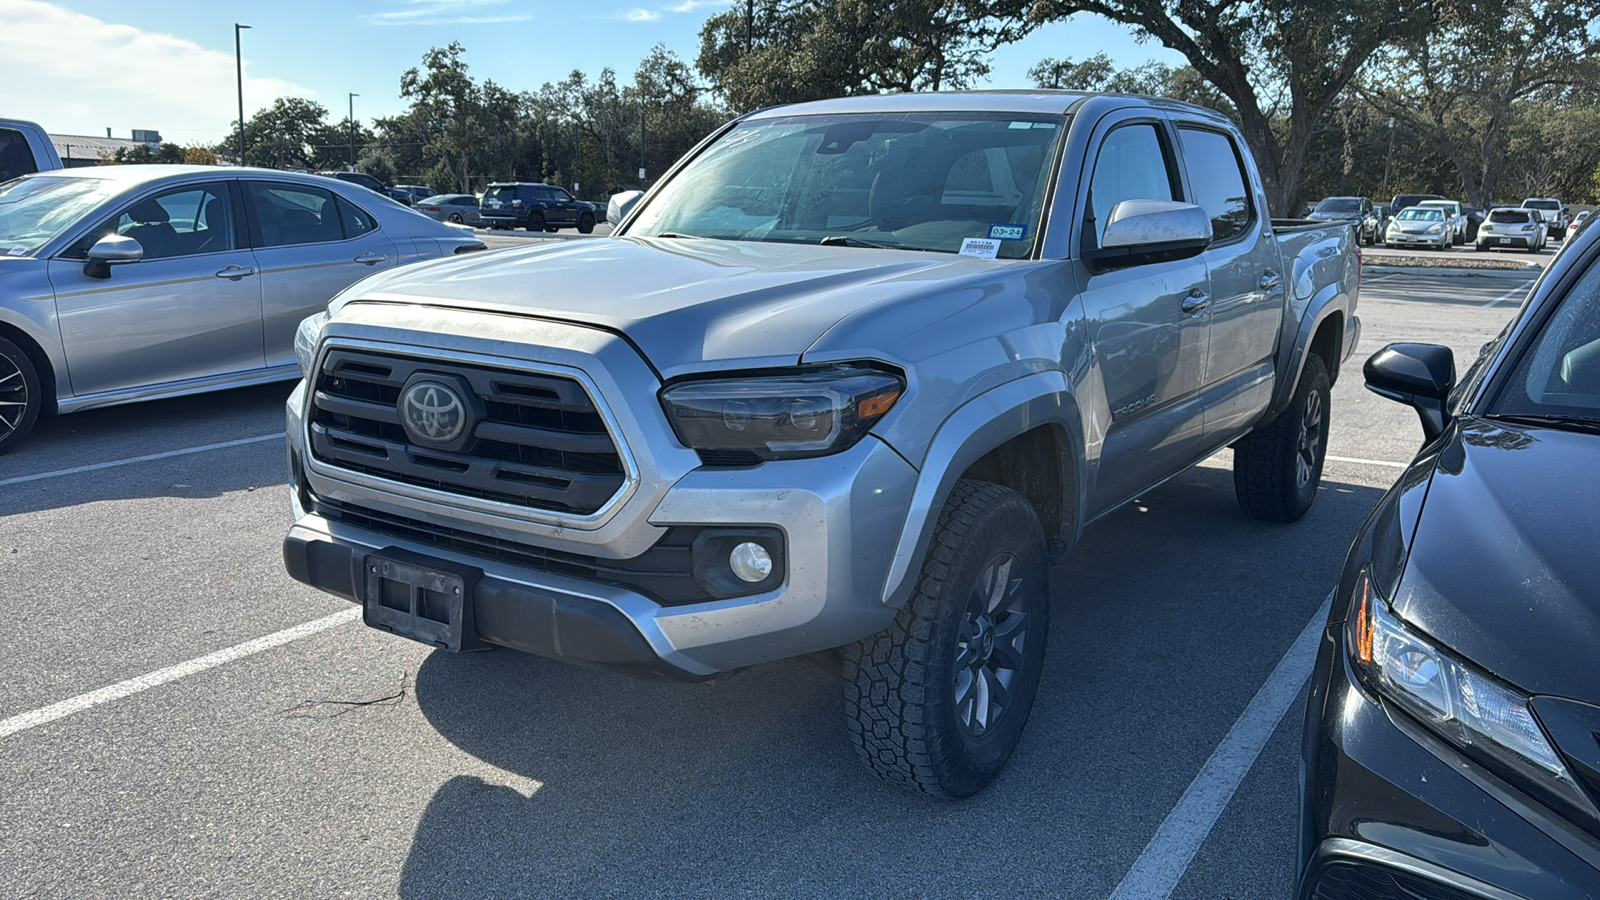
x=1519 y=274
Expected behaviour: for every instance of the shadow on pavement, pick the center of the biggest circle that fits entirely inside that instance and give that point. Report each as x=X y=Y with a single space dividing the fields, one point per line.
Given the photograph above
x=1167 y=617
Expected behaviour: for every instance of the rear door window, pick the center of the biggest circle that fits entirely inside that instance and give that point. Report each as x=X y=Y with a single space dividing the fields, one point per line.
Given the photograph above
x=16 y=158
x=1216 y=173
x=289 y=214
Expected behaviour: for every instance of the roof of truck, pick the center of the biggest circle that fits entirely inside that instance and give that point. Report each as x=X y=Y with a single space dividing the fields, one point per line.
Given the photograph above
x=1038 y=101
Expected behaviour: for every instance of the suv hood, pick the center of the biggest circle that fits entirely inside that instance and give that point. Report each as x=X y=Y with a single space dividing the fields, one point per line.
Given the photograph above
x=1503 y=566
x=687 y=303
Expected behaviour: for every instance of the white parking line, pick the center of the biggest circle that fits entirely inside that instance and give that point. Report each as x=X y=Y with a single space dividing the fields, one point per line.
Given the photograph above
x=1161 y=865
x=1509 y=294
x=159 y=677
x=1367 y=462
x=40 y=476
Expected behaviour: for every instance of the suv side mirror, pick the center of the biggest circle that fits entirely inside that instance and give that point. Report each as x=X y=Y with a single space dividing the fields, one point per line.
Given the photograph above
x=1145 y=231
x=1418 y=375
x=111 y=250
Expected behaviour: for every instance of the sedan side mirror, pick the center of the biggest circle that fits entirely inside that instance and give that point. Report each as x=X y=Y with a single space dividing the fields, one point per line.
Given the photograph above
x=111 y=250
x=1145 y=231
x=1418 y=375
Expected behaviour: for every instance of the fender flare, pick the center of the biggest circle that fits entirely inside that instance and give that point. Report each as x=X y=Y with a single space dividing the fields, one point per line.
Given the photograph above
x=975 y=428
x=1327 y=303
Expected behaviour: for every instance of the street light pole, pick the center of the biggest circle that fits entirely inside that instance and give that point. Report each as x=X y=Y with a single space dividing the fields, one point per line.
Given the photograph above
x=238 y=64
x=1387 y=160
x=353 y=131
x=749 y=22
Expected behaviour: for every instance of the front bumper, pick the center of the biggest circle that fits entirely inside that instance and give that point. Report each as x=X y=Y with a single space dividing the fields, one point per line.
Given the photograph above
x=832 y=513
x=1388 y=810
x=1404 y=239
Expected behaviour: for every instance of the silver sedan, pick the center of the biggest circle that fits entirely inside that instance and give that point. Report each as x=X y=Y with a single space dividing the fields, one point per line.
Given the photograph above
x=461 y=209
x=128 y=283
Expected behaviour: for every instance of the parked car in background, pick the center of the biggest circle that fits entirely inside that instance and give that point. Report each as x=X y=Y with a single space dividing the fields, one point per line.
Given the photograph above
x=1404 y=201
x=536 y=207
x=1455 y=219
x=1356 y=210
x=462 y=209
x=1418 y=226
x=846 y=378
x=1475 y=219
x=1449 y=748
x=359 y=178
x=1579 y=219
x=125 y=283
x=1555 y=213
x=25 y=148
x=416 y=192
x=1507 y=227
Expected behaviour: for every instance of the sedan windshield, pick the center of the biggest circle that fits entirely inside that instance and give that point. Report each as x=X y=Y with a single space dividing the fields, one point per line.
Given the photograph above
x=1417 y=213
x=1339 y=205
x=1558 y=376
x=918 y=182
x=34 y=209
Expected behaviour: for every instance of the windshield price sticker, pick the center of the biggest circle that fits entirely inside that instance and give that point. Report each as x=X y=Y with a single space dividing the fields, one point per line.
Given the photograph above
x=983 y=248
x=1007 y=232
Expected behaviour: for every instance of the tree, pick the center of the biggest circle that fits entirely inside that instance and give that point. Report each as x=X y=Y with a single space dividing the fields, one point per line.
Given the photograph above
x=199 y=156
x=141 y=154
x=812 y=49
x=278 y=136
x=1456 y=85
x=1099 y=73
x=1281 y=63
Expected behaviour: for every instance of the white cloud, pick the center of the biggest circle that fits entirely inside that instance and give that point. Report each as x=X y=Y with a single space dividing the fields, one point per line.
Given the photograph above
x=641 y=15
x=88 y=74
x=450 y=12
x=692 y=5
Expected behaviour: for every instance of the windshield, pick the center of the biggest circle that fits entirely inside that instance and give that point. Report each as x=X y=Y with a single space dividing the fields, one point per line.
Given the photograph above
x=1542 y=204
x=932 y=181
x=1502 y=216
x=1339 y=205
x=1418 y=213
x=34 y=209
x=1558 y=375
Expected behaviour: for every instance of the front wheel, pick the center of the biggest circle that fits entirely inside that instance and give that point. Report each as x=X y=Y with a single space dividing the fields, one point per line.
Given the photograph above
x=1277 y=467
x=938 y=701
x=586 y=224
x=21 y=397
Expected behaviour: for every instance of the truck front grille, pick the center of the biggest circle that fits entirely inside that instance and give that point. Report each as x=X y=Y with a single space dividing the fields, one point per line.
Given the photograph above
x=538 y=441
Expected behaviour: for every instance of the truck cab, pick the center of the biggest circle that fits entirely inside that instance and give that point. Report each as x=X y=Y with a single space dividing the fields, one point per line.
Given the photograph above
x=25 y=149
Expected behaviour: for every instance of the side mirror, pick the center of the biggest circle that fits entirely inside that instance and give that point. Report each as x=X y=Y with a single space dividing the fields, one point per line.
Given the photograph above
x=111 y=250
x=1145 y=231
x=1418 y=375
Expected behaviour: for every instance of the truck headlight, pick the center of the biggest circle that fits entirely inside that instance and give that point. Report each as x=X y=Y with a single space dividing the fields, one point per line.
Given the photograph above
x=785 y=415
x=305 y=340
x=1485 y=718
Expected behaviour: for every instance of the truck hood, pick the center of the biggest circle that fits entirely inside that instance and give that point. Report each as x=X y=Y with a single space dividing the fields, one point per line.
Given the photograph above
x=1502 y=565
x=687 y=303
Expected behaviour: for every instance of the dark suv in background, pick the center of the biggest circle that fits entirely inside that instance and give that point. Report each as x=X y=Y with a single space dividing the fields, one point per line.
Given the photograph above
x=361 y=178
x=536 y=207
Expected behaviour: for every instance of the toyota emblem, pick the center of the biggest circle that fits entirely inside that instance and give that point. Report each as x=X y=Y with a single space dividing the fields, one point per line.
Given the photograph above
x=433 y=412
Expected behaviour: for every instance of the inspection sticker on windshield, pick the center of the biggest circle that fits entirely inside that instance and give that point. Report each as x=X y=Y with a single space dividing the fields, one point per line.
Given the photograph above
x=16 y=251
x=983 y=248
x=1007 y=232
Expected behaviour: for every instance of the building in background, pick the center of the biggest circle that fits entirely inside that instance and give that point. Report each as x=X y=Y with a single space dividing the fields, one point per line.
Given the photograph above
x=77 y=150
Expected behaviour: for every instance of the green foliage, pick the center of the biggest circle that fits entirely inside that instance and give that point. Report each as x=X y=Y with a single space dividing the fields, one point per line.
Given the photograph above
x=169 y=154
x=1099 y=73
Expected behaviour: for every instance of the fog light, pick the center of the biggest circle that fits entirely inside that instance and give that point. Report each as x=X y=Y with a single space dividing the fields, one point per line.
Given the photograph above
x=750 y=561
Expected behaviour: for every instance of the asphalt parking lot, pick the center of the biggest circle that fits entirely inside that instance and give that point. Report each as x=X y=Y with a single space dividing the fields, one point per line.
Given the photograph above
x=139 y=558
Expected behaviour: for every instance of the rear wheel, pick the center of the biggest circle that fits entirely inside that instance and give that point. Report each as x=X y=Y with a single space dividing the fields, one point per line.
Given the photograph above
x=21 y=397
x=536 y=222
x=938 y=701
x=1277 y=467
x=586 y=224
x=456 y=218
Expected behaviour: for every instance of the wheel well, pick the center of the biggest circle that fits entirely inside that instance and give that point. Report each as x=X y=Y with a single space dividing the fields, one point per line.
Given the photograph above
x=1325 y=343
x=41 y=362
x=1037 y=465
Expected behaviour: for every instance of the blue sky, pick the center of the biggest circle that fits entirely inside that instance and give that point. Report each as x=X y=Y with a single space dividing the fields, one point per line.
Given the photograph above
x=85 y=65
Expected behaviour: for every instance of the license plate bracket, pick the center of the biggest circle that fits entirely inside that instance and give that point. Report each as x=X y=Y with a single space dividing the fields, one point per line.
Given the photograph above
x=422 y=598
x=1505 y=240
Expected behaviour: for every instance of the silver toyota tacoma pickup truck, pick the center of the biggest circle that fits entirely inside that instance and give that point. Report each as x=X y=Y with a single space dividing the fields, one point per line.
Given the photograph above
x=842 y=385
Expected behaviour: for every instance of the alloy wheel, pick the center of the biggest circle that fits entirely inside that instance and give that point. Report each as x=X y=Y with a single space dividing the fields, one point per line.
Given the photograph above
x=13 y=396
x=1310 y=442
x=989 y=644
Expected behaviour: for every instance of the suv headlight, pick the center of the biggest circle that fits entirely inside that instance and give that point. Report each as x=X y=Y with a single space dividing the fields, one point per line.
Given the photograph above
x=1485 y=718
x=785 y=415
x=305 y=340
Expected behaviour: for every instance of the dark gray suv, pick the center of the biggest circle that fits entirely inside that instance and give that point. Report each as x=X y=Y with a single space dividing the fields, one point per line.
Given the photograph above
x=536 y=207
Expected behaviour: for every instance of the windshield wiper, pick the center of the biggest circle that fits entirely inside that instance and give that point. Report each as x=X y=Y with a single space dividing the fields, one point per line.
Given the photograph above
x=1586 y=424
x=675 y=234
x=845 y=240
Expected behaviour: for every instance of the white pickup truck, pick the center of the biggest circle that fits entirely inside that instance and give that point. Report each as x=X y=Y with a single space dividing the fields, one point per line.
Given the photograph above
x=840 y=386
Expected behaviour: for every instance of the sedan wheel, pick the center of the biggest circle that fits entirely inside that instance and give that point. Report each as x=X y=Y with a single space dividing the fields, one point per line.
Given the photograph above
x=456 y=218
x=21 y=397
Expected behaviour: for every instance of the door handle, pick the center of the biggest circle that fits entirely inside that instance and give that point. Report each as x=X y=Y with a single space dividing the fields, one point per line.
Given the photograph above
x=1269 y=280
x=236 y=272
x=1196 y=302
x=371 y=258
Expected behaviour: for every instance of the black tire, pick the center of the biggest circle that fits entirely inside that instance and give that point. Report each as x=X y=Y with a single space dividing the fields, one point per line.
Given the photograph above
x=586 y=224
x=913 y=691
x=21 y=396
x=535 y=222
x=1277 y=467
x=456 y=218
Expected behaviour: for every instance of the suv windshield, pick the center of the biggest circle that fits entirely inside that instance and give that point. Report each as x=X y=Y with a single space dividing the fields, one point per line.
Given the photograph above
x=1558 y=376
x=34 y=209
x=1339 y=205
x=926 y=181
